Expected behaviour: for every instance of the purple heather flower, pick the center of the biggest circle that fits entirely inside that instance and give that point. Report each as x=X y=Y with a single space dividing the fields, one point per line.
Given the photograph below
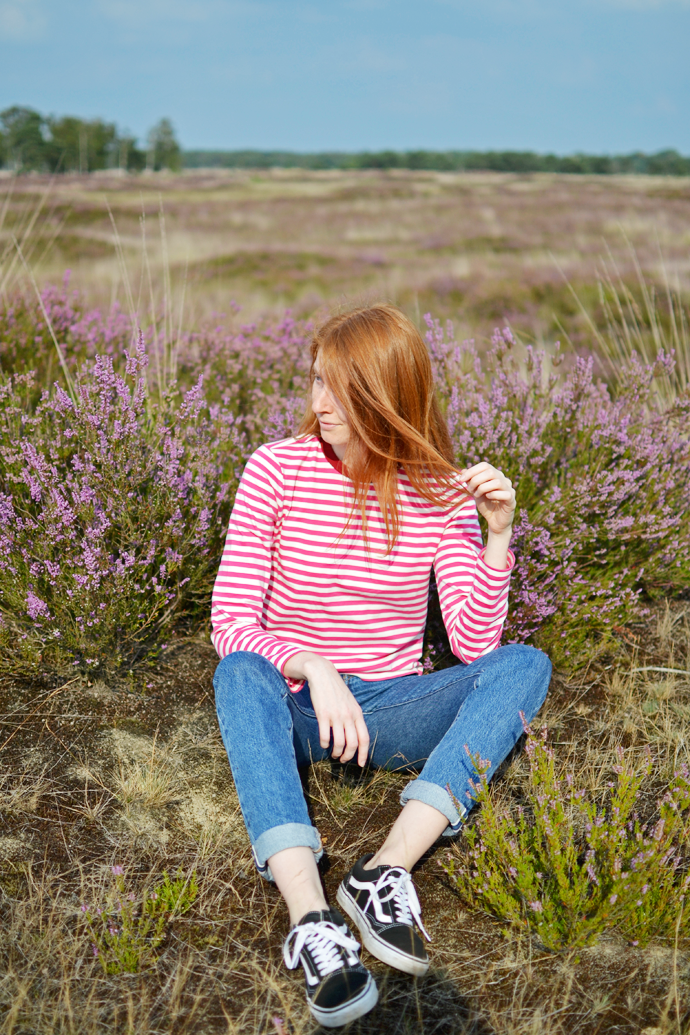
x=36 y=608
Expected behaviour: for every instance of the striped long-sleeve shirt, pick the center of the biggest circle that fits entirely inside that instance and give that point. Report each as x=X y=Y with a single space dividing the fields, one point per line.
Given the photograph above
x=290 y=580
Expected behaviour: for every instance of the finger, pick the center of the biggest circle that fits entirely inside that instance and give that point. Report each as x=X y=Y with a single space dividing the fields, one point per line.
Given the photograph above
x=338 y=740
x=500 y=494
x=481 y=479
x=471 y=472
x=324 y=732
x=490 y=485
x=363 y=740
x=481 y=471
x=351 y=743
x=467 y=478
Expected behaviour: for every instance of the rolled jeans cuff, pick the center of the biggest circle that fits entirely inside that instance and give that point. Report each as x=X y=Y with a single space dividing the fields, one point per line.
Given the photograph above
x=439 y=799
x=288 y=835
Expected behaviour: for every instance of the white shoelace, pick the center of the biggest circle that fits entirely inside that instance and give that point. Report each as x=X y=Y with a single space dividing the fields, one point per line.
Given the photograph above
x=321 y=938
x=402 y=893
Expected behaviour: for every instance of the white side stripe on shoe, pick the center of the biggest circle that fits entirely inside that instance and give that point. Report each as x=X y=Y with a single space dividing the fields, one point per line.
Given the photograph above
x=321 y=939
x=402 y=893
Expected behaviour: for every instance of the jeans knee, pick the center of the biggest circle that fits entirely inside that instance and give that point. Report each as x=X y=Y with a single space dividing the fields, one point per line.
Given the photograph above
x=528 y=673
x=243 y=672
x=540 y=666
x=535 y=674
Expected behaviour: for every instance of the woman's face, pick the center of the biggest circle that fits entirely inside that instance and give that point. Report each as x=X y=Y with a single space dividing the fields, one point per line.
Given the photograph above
x=333 y=424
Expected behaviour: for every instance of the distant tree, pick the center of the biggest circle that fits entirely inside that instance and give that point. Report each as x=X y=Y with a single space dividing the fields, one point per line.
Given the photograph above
x=668 y=163
x=163 y=151
x=129 y=155
x=80 y=146
x=24 y=141
x=77 y=145
x=67 y=145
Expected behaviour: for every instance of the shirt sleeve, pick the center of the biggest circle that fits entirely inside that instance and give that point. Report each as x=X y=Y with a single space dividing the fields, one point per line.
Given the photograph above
x=244 y=576
x=472 y=595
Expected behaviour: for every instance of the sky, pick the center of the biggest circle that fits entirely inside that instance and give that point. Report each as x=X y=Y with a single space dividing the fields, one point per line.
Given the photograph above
x=602 y=76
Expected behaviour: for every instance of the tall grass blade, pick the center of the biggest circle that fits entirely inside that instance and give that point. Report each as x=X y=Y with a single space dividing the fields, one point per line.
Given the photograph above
x=7 y=282
x=61 y=357
x=169 y=359
x=152 y=304
x=123 y=271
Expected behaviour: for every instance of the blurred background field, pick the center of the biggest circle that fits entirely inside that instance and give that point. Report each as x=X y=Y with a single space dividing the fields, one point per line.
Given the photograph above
x=481 y=249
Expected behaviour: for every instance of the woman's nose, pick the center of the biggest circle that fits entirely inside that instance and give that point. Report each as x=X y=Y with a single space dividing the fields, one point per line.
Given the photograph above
x=322 y=401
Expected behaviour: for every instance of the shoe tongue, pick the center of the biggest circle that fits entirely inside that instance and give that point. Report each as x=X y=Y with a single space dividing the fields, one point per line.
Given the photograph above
x=318 y=916
x=378 y=871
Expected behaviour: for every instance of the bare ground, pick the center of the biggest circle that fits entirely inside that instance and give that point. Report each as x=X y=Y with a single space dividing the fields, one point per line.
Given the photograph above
x=133 y=773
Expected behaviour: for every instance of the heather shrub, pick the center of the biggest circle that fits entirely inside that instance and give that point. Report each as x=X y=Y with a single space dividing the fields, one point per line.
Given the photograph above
x=602 y=474
x=113 y=510
x=26 y=343
x=257 y=372
x=567 y=867
x=602 y=478
x=260 y=373
x=126 y=930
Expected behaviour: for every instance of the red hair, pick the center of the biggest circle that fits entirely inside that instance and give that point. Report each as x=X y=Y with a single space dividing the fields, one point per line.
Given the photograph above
x=376 y=363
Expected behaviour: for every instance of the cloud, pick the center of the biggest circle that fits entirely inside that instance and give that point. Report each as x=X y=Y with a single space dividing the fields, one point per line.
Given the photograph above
x=21 y=20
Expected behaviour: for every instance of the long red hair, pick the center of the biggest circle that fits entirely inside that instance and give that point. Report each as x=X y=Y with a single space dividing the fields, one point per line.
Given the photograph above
x=376 y=363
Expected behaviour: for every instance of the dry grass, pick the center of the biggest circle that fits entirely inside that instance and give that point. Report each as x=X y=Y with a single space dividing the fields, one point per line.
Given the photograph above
x=140 y=779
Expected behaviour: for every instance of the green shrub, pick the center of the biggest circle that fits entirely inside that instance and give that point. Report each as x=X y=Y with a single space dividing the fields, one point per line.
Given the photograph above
x=125 y=932
x=568 y=868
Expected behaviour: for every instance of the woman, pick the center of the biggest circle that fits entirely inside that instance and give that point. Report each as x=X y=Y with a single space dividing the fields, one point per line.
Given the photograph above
x=319 y=611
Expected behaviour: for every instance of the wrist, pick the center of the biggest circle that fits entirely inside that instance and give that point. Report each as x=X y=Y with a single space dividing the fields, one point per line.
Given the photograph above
x=296 y=666
x=312 y=663
x=505 y=535
x=496 y=551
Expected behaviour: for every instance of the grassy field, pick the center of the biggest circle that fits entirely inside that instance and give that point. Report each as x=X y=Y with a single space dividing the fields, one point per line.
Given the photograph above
x=126 y=771
x=476 y=248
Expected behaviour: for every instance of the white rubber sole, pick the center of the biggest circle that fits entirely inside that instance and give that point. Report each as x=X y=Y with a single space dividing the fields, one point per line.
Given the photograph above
x=375 y=945
x=366 y=1001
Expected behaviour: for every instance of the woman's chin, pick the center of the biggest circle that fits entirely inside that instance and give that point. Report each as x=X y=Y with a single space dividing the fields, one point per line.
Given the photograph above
x=333 y=436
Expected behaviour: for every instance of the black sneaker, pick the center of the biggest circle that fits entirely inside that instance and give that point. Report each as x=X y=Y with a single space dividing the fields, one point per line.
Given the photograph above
x=339 y=987
x=384 y=905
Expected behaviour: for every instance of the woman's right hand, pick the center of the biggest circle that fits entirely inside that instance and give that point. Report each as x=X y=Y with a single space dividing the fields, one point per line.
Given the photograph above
x=335 y=706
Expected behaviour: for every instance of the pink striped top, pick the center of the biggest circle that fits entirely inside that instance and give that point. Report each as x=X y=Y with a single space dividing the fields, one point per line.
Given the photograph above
x=286 y=583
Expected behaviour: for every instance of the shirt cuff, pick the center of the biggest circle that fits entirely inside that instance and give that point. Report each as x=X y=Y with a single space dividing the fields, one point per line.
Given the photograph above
x=294 y=685
x=499 y=571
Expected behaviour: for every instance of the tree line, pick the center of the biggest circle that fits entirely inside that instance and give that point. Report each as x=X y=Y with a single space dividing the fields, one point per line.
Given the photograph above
x=66 y=143
x=663 y=163
x=31 y=141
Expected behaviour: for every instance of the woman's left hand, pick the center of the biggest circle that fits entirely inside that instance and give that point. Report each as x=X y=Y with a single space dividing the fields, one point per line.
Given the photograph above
x=494 y=495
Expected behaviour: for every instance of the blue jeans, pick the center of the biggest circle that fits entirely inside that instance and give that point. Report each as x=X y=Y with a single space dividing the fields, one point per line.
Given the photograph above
x=416 y=723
